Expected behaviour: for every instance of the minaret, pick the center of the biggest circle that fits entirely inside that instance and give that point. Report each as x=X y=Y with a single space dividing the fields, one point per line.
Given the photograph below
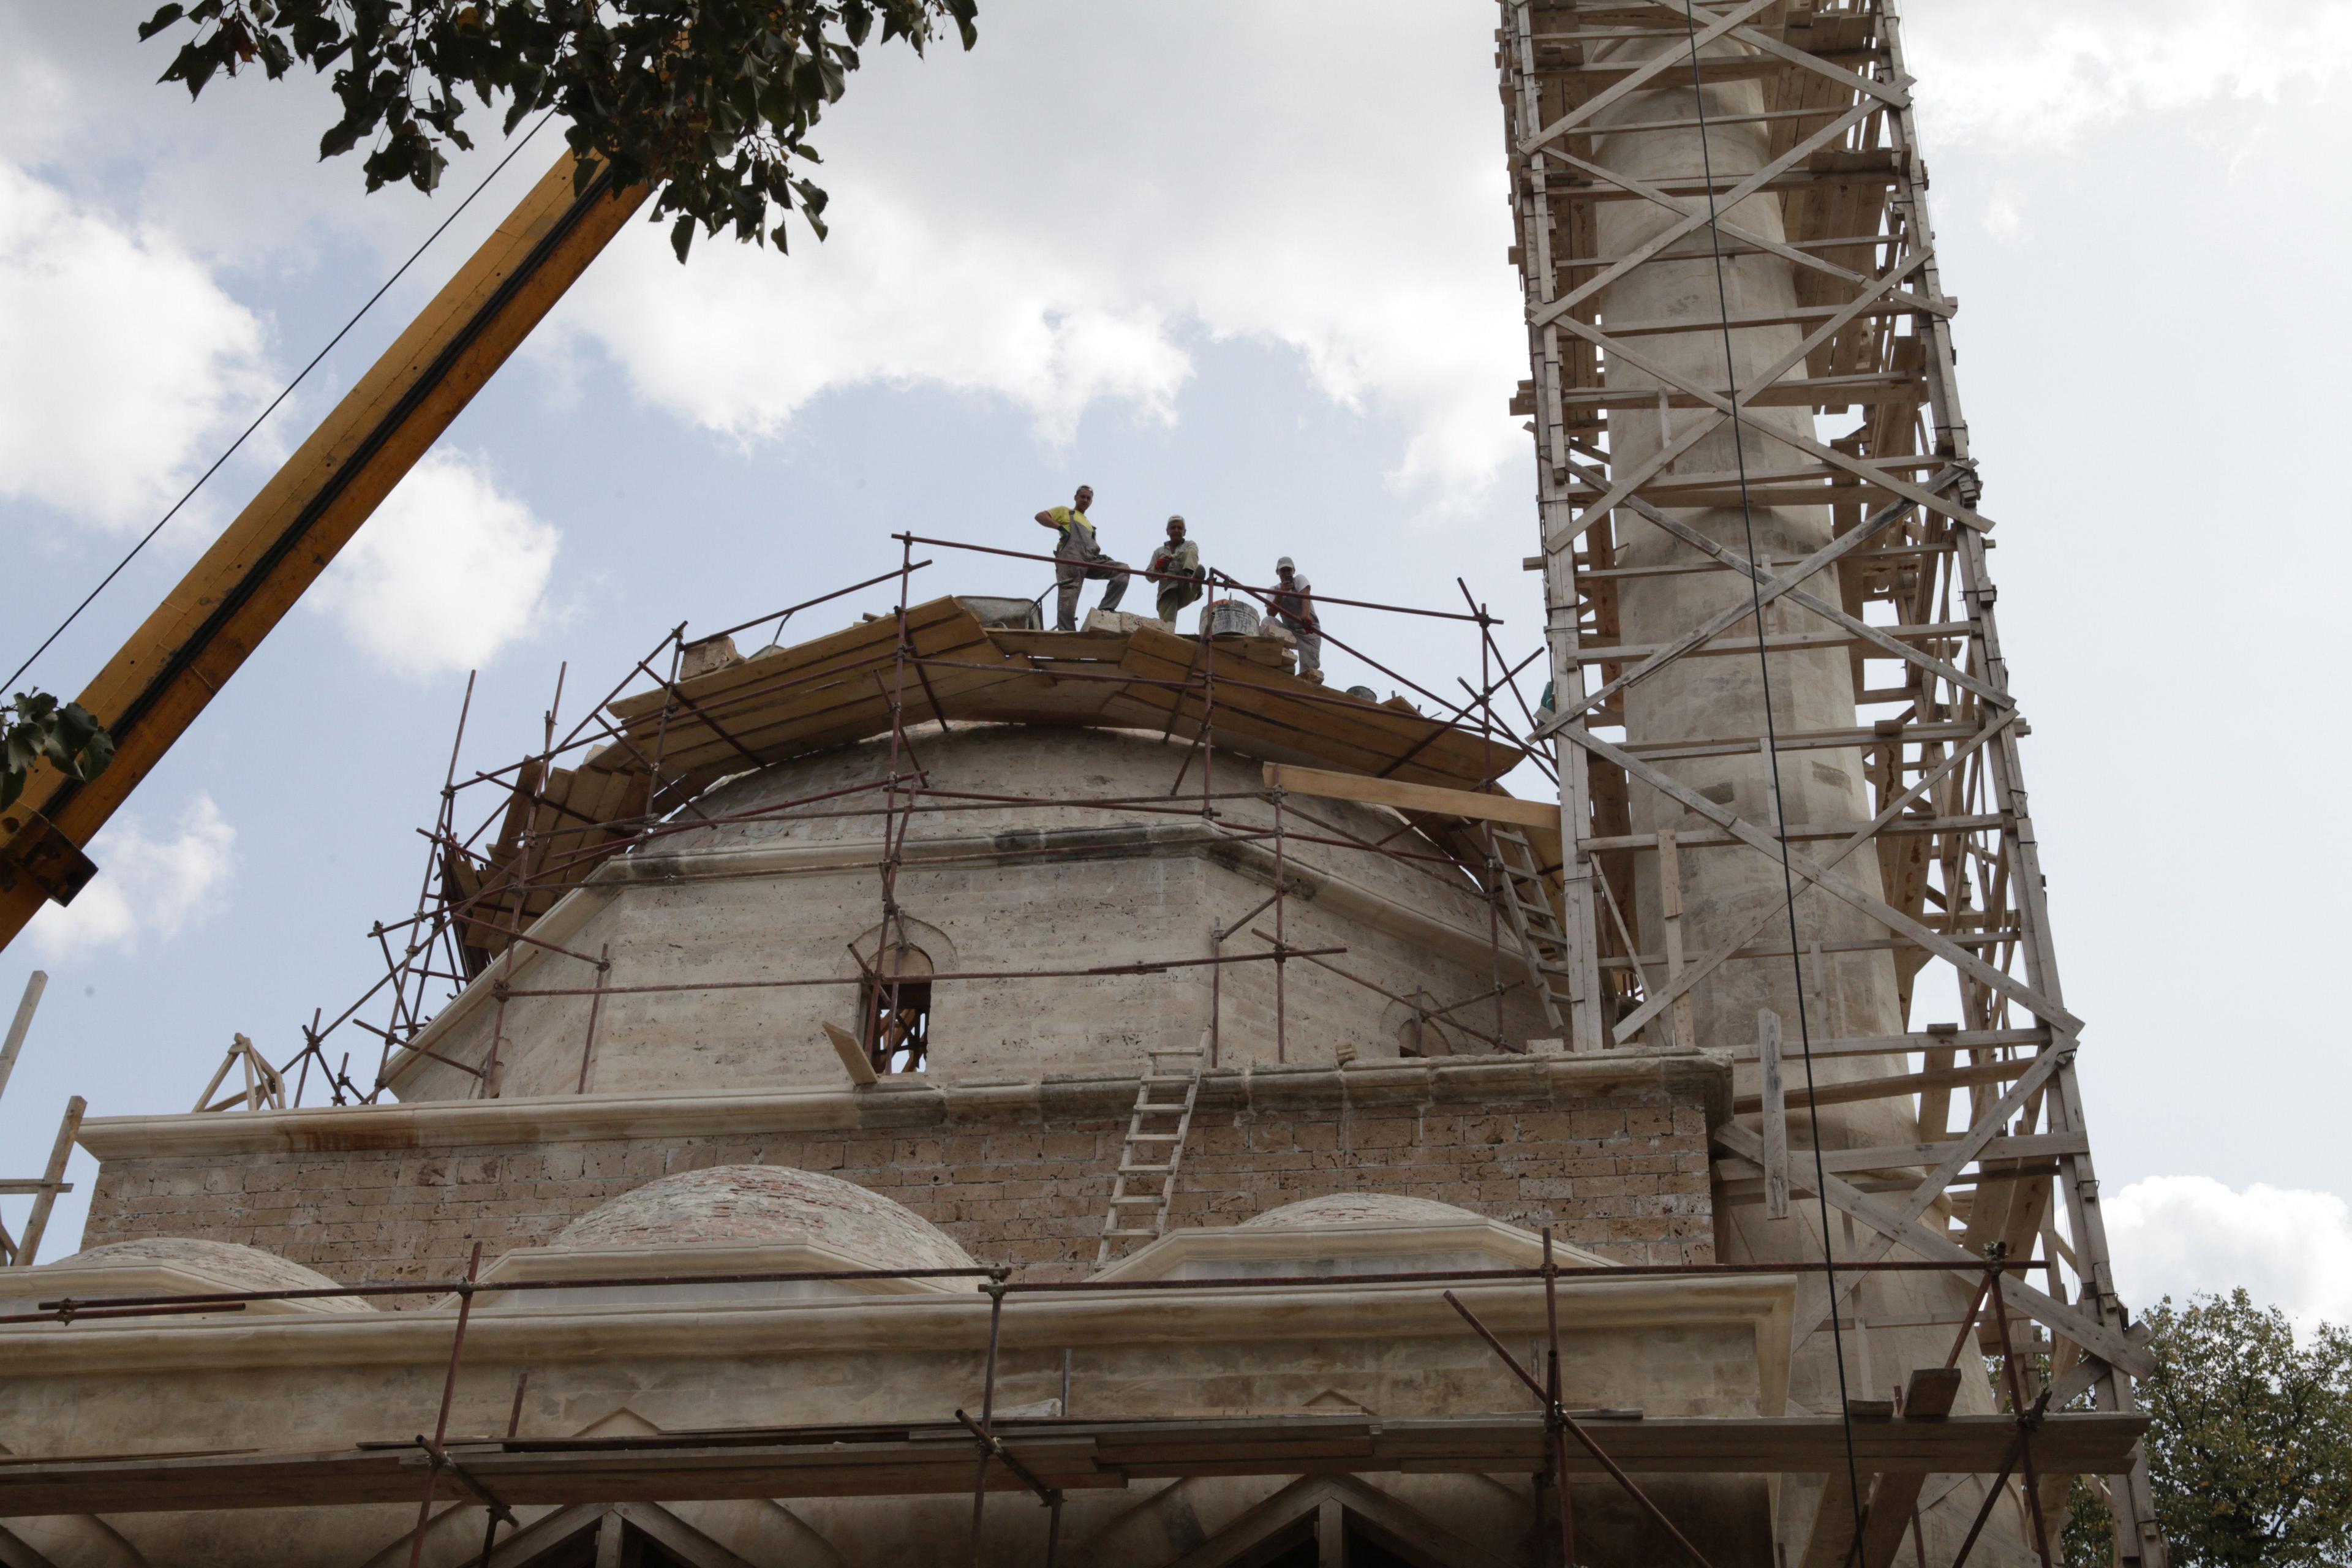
x=1741 y=352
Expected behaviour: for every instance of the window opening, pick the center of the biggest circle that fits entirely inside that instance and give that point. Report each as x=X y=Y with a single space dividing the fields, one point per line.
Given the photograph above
x=895 y=1011
x=1418 y=1033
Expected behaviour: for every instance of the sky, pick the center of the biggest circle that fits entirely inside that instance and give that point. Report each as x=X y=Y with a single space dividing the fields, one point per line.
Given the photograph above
x=1237 y=261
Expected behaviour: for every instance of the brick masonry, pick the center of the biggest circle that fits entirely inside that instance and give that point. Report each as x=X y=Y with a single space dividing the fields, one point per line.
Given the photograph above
x=1615 y=1160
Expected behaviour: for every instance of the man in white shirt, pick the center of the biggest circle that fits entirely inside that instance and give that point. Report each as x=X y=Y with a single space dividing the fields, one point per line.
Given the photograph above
x=1294 y=608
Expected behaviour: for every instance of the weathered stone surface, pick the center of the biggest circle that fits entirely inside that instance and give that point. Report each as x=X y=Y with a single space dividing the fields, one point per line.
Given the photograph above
x=1610 y=1153
x=174 y=1265
x=755 y=1203
x=1348 y=1208
x=1111 y=872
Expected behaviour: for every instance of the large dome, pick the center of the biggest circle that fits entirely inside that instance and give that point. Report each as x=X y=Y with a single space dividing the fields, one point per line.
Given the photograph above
x=218 y=1265
x=1038 y=847
x=757 y=1206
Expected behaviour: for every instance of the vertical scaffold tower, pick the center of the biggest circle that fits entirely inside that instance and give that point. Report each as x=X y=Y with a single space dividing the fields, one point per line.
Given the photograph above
x=1799 y=822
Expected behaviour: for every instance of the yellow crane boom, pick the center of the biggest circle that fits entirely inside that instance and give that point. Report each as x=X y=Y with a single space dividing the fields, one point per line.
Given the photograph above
x=154 y=688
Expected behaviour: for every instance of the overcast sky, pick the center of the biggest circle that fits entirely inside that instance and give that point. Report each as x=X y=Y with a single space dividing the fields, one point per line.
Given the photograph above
x=1240 y=260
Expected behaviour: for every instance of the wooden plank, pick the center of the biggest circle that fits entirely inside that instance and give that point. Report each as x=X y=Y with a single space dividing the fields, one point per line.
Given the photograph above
x=1367 y=791
x=839 y=709
x=1670 y=917
x=1322 y=713
x=750 y=714
x=1831 y=1540
x=28 y=1246
x=1775 y=1107
x=675 y=1536
x=852 y=645
x=1896 y=1085
x=1106 y=646
x=1908 y=1156
x=854 y=1061
x=2071 y=1321
x=1895 y=1495
x=1822 y=877
x=21 y=1024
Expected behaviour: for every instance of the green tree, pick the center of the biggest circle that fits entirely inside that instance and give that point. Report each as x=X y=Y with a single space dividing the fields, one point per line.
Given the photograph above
x=2251 y=1446
x=710 y=100
x=34 y=725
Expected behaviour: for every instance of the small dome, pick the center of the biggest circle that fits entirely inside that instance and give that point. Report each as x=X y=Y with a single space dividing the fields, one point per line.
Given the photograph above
x=754 y=1206
x=1360 y=1208
x=235 y=1265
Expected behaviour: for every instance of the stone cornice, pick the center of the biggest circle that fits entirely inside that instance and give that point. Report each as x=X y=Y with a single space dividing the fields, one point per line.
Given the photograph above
x=1763 y=1304
x=1562 y=1080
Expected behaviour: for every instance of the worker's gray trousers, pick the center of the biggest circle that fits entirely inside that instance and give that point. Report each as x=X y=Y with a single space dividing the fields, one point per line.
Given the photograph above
x=1310 y=651
x=1072 y=572
x=1174 y=596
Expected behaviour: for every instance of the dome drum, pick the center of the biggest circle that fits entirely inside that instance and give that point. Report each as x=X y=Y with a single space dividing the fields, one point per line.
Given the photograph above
x=1042 y=918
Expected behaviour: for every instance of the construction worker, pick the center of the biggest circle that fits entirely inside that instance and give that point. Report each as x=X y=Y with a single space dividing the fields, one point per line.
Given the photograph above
x=1176 y=567
x=1079 y=559
x=1294 y=608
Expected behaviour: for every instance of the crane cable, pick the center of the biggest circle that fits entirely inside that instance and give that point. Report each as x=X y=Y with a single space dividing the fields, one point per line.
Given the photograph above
x=284 y=392
x=1772 y=755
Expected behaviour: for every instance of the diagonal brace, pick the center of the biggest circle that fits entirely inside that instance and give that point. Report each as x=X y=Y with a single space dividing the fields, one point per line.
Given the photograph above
x=2093 y=1336
x=1692 y=975
x=1878 y=909
x=1558 y=1414
x=1923 y=1196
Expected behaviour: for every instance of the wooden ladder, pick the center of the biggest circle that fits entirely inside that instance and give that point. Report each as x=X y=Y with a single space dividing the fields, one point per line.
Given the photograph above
x=1527 y=903
x=1155 y=1145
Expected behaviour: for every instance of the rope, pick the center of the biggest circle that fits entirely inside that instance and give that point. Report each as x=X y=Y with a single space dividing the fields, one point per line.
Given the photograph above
x=1772 y=756
x=284 y=392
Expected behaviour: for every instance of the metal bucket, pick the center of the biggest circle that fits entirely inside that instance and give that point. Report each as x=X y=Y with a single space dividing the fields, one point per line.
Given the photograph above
x=1228 y=618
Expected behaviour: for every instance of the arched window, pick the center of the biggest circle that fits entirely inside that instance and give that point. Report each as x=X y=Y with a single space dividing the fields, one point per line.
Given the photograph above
x=894 y=1010
x=1417 y=1025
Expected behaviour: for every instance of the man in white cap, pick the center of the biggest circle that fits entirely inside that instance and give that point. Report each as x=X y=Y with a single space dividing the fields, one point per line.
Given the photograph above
x=1078 y=560
x=1176 y=567
x=1294 y=608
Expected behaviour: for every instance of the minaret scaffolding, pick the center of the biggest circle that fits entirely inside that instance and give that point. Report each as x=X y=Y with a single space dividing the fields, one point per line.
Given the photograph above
x=1744 y=409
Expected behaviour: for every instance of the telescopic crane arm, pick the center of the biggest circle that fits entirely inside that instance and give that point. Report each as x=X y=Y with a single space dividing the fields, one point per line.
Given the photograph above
x=152 y=689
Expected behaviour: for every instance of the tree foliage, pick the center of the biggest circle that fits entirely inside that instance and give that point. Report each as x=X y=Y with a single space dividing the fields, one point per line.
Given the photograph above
x=710 y=100
x=2250 y=1449
x=34 y=725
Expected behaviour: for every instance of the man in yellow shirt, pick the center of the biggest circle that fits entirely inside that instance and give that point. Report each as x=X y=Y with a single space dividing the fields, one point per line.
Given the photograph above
x=1079 y=559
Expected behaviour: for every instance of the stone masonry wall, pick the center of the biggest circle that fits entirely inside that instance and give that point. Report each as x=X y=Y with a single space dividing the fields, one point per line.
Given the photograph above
x=1612 y=1154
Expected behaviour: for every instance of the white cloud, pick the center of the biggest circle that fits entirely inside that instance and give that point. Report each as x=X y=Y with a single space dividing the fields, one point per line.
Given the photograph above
x=144 y=887
x=1053 y=218
x=449 y=571
x=2027 y=73
x=744 y=340
x=2183 y=1236
x=125 y=359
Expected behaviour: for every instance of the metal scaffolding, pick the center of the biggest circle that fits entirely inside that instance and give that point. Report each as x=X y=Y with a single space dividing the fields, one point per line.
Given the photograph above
x=590 y=1482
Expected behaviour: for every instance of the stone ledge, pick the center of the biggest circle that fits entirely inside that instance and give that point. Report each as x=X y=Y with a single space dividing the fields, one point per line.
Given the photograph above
x=1282 y=1090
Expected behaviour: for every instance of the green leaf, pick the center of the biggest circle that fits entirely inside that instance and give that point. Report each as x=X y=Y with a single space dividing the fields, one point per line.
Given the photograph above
x=162 y=19
x=707 y=101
